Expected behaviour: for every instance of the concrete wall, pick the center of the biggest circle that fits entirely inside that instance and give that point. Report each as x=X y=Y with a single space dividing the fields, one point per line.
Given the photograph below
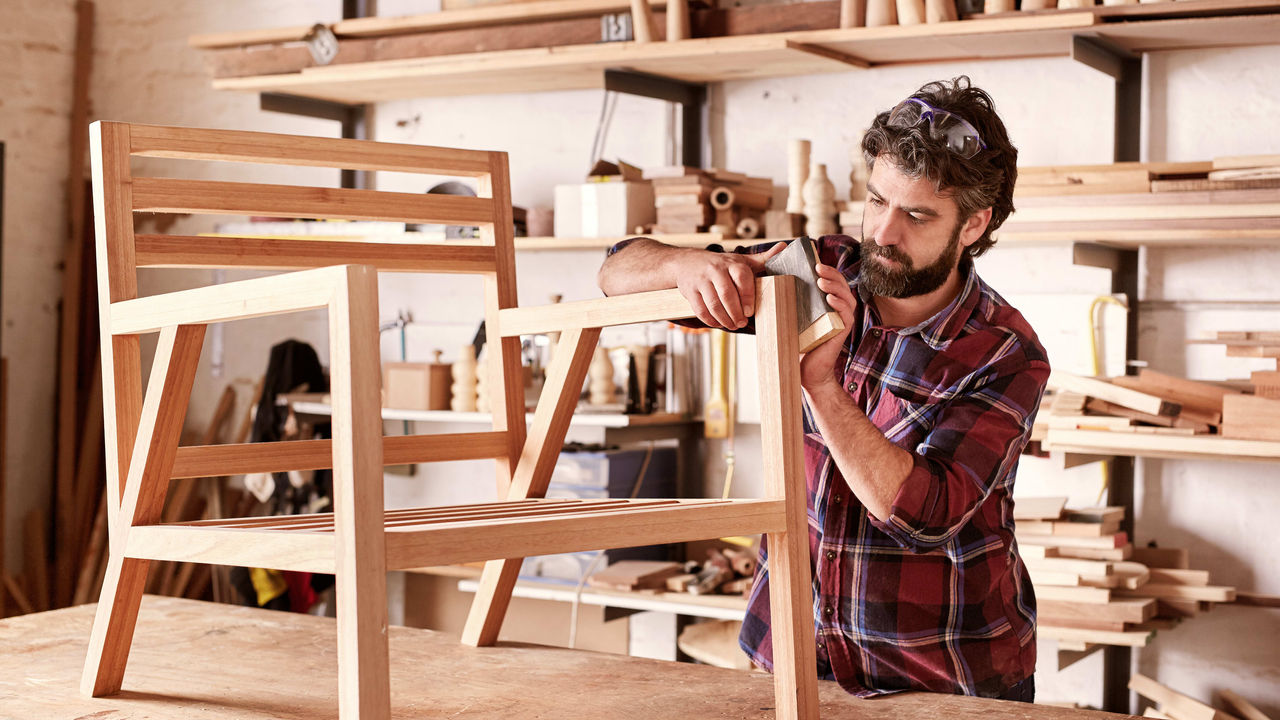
x=1202 y=104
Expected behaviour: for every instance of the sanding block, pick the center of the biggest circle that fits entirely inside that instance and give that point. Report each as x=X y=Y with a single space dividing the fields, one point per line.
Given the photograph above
x=814 y=317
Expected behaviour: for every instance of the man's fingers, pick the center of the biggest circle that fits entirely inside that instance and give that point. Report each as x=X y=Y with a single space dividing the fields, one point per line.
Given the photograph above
x=727 y=294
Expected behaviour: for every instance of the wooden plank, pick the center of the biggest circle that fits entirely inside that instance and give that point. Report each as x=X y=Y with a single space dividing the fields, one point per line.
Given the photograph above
x=121 y=355
x=259 y=147
x=231 y=198
x=1104 y=390
x=1087 y=595
x=302 y=551
x=790 y=589
x=1180 y=577
x=1251 y=417
x=239 y=300
x=1188 y=420
x=1095 y=514
x=1138 y=638
x=194 y=461
x=1152 y=168
x=1069 y=529
x=35 y=558
x=1190 y=394
x=1038 y=508
x=249 y=644
x=1236 y=162
x=206 y=41
x=618 y=310
x=171 y=251
x=482 y=16
x=1084 y=553
x=66 y=509
x=1129 y=610
x=1172 y=702
x=160 y=425
x=1106 y=542
x=360 y=561
x=1207 y=593
x=1238 y=705
x=1200 y=446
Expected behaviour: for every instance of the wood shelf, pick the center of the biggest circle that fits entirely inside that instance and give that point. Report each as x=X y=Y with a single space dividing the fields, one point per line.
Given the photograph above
x=1133 y=28
x=1196 y=447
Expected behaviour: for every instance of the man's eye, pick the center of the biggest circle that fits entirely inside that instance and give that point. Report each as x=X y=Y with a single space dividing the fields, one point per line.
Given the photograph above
x=917 y=219
x=875 y=201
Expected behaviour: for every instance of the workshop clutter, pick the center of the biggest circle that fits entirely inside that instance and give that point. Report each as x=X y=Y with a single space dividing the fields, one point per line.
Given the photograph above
x=1093 y=587
x=1173 y=705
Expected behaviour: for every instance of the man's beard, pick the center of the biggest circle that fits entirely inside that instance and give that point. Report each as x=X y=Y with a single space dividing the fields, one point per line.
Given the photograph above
x=904 y=280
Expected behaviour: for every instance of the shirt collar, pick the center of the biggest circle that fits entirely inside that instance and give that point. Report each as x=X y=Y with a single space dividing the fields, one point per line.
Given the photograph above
x=945 y=325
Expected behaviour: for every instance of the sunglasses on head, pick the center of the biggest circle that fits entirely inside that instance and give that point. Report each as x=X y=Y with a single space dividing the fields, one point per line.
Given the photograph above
x=959 y=135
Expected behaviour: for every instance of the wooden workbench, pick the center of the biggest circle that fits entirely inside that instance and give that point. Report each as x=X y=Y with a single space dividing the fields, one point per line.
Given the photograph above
x=202 y=660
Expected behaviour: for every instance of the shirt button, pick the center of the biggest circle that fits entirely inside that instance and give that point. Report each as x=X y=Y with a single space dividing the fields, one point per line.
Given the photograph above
x=875 y=333
x=828 y=610
x=831 y=554
x=837 y=499
x=853 y=386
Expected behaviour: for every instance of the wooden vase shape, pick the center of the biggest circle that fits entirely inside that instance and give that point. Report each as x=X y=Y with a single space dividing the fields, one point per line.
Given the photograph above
x=819 y=203
x=881 y=12
x=797 y=173
x=463 y=391
x=910 y=12
x=601 y=390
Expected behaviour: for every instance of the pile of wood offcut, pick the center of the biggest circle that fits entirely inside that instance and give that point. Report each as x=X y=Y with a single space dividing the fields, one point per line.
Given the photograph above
x=1174 y=705
x=726 y=571
x=1093 y=587
x=1149 y=402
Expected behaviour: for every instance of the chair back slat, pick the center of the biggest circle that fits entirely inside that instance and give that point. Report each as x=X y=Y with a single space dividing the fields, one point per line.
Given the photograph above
x=178 y=251
x=231 y=198
x=270 y=148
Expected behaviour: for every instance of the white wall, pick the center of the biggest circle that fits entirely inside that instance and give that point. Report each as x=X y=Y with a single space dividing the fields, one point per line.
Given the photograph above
x=1203 y=104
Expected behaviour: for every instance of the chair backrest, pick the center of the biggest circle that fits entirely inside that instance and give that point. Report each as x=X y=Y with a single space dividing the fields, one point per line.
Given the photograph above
x=119 y=194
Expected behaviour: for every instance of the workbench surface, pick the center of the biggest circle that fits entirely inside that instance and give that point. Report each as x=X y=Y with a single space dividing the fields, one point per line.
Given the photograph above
x=203 y=660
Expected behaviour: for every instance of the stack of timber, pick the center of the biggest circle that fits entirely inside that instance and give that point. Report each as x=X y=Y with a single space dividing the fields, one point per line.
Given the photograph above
x=1093 y=587
x=1252 y=416
x=1173 y=705
x=1145 y=203
x=690 y=200
x=1150 y=403
x=725 y=571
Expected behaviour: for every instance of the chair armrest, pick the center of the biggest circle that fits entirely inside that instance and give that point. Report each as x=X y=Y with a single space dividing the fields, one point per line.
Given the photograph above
x=240 y=300
x=641 y=307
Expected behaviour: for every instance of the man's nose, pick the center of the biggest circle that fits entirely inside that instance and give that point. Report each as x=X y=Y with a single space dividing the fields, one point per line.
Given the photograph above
x=890 y=231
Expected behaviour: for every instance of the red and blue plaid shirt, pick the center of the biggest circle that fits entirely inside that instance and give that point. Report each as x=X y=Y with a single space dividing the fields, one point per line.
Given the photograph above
x=936 y=598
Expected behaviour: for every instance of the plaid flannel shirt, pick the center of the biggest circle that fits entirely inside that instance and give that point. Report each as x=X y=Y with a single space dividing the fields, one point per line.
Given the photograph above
x=936 y=598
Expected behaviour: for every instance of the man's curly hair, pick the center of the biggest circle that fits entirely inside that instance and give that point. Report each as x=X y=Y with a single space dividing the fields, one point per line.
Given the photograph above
x=985 y=180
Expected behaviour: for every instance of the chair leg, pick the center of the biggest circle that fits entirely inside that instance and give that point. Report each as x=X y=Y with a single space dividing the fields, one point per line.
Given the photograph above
x=364 y=685
x=113 y=625
x=490 y=604
x=795 y=665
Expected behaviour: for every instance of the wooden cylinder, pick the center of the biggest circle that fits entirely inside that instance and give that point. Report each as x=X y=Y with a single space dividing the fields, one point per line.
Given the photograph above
x=797 y=173
x=991 y=7
x=642 y=28
x=677 y=20
x=1038 y=4
x=722 y=198
x=853 y=13
x=748 y=228
x=910 y=12
x=936 y=11
x=881 y=12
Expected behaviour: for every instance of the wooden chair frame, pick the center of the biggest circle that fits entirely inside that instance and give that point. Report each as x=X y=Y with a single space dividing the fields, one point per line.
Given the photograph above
x=360 y=541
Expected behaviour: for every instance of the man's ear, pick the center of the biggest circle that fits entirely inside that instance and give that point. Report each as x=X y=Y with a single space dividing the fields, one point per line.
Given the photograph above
x=975 y=226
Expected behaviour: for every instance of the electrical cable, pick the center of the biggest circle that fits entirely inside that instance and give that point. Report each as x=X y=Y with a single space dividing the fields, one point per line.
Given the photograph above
x=1097 y=370
x=591 y=568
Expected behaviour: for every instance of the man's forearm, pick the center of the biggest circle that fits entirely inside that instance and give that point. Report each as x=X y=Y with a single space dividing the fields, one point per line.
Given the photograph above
x=874 y=468
x=643 y=265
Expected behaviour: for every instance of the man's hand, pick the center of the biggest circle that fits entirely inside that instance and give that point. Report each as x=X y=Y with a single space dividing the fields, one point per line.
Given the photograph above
x=721 y=287
x=816 y=366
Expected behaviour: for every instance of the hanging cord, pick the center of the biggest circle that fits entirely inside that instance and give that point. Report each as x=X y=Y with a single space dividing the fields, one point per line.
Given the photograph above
x=607 y=106
x=1095 y=355
x=591 y=568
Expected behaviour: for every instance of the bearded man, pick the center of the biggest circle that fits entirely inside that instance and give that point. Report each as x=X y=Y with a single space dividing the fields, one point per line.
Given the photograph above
x=915 y=415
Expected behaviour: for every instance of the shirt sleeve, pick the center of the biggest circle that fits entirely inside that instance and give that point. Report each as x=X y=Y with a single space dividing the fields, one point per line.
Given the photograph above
x=974 y=444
